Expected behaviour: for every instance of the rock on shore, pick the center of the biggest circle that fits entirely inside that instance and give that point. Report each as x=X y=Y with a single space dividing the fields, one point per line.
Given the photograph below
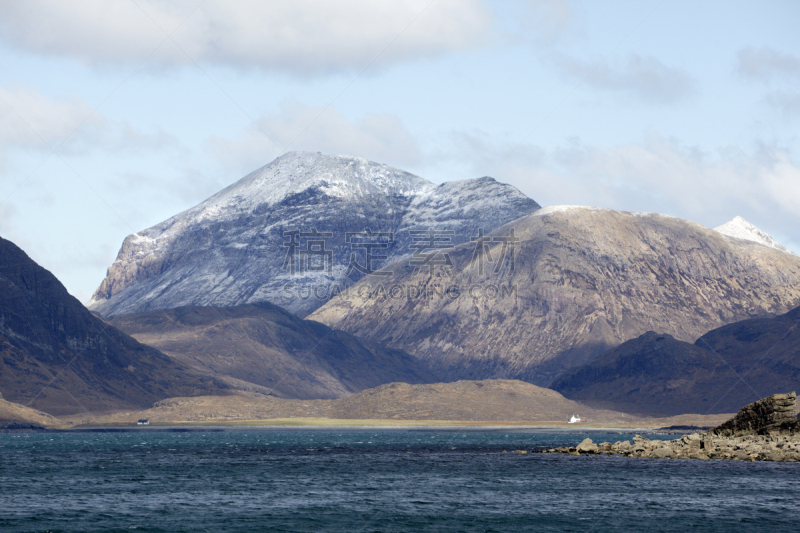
x=767 y=430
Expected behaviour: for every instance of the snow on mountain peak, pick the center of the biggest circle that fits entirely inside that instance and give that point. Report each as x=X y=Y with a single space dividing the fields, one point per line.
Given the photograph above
x=335 y=175
x=550 y=209
x=233 y=248
x=739 y=228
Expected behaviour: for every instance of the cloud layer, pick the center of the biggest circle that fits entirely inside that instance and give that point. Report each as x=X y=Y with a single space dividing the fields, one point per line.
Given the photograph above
x=29 y=119
x=766 y=63
x=656 y=174
x=302 y=36
x=379 y=137
x=646 y=78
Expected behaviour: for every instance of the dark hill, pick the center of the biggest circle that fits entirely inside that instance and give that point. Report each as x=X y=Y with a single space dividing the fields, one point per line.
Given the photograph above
x=268 y=346
x=724 y=369
x=56 y=356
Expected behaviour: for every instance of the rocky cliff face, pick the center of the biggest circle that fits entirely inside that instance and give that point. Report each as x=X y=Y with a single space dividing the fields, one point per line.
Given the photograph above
x=57 y=357
x=582 y=280
x=776 y=414
x=281 y=232
x=725 y=368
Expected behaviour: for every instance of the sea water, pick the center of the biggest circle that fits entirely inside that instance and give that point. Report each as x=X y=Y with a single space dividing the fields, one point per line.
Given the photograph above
x=374 y=480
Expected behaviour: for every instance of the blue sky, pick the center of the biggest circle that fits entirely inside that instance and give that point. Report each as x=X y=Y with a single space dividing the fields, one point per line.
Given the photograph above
x=117 y=115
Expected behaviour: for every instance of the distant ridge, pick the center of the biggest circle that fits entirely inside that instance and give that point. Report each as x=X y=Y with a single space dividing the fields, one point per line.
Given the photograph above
x=266 y=346
x=463 y=401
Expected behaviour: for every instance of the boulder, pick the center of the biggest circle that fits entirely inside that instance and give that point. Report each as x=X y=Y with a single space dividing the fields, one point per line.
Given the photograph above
x=624 y=446
x=640 y=443
x=605 y=447
x=662 y=452
x=774 y=415
x=587 y=446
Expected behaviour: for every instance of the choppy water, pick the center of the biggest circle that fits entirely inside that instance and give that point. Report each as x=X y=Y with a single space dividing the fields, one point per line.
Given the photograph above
x=394 y=480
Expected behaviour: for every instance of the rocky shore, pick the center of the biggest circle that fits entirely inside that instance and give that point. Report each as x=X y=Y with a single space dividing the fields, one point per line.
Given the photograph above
x=767 y=430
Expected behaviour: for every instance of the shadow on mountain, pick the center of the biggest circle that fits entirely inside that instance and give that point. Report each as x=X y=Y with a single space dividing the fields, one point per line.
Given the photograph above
x=724 y=369
x=276 y=351
x=57 y=357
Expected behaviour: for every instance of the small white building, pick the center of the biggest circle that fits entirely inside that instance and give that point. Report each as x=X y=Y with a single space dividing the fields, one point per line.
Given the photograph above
x=143 y=422
x=574 y=420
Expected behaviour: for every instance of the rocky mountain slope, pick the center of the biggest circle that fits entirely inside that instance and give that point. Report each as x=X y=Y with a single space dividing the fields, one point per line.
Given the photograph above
x=582 y=280
x=267 y=346
x=57 y=357
x=255 y=241
x=725 y=368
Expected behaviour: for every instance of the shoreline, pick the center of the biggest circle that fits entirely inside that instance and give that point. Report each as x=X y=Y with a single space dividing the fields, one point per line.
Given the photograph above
x=378 y=424
x=766 y=430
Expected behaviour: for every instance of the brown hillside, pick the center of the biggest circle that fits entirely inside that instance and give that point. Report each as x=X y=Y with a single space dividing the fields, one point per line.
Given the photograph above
x=584 y=280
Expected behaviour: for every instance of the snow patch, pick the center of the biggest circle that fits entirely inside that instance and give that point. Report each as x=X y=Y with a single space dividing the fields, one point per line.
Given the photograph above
x=549 y=210
x=739 y=228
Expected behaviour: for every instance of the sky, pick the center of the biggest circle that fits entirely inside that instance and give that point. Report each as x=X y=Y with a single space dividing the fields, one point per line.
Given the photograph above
x=118 y=114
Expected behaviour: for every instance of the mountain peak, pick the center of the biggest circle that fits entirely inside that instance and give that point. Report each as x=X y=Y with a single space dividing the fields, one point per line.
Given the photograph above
x=334 y=175
x=233 y=248
x=739 y=228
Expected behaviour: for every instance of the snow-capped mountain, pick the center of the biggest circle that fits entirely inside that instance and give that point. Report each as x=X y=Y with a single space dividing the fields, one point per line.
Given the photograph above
x=739 y=228
x=280 y=234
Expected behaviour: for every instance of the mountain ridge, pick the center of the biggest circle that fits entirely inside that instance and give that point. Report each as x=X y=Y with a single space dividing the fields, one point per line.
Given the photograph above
x=583 y=281
x=234 y=248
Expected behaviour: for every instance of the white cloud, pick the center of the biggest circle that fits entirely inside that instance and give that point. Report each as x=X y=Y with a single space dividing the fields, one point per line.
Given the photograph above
x=782 y=181
x=30 y=120
x=778 y=71
x=6 y=216
x=658 y=175
x=787 y=102
x=766 y=63
x=644 y=77
x=10 y=228
x=379 y=137
x=541 y=22
x=549 y=15
x=302 y=36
